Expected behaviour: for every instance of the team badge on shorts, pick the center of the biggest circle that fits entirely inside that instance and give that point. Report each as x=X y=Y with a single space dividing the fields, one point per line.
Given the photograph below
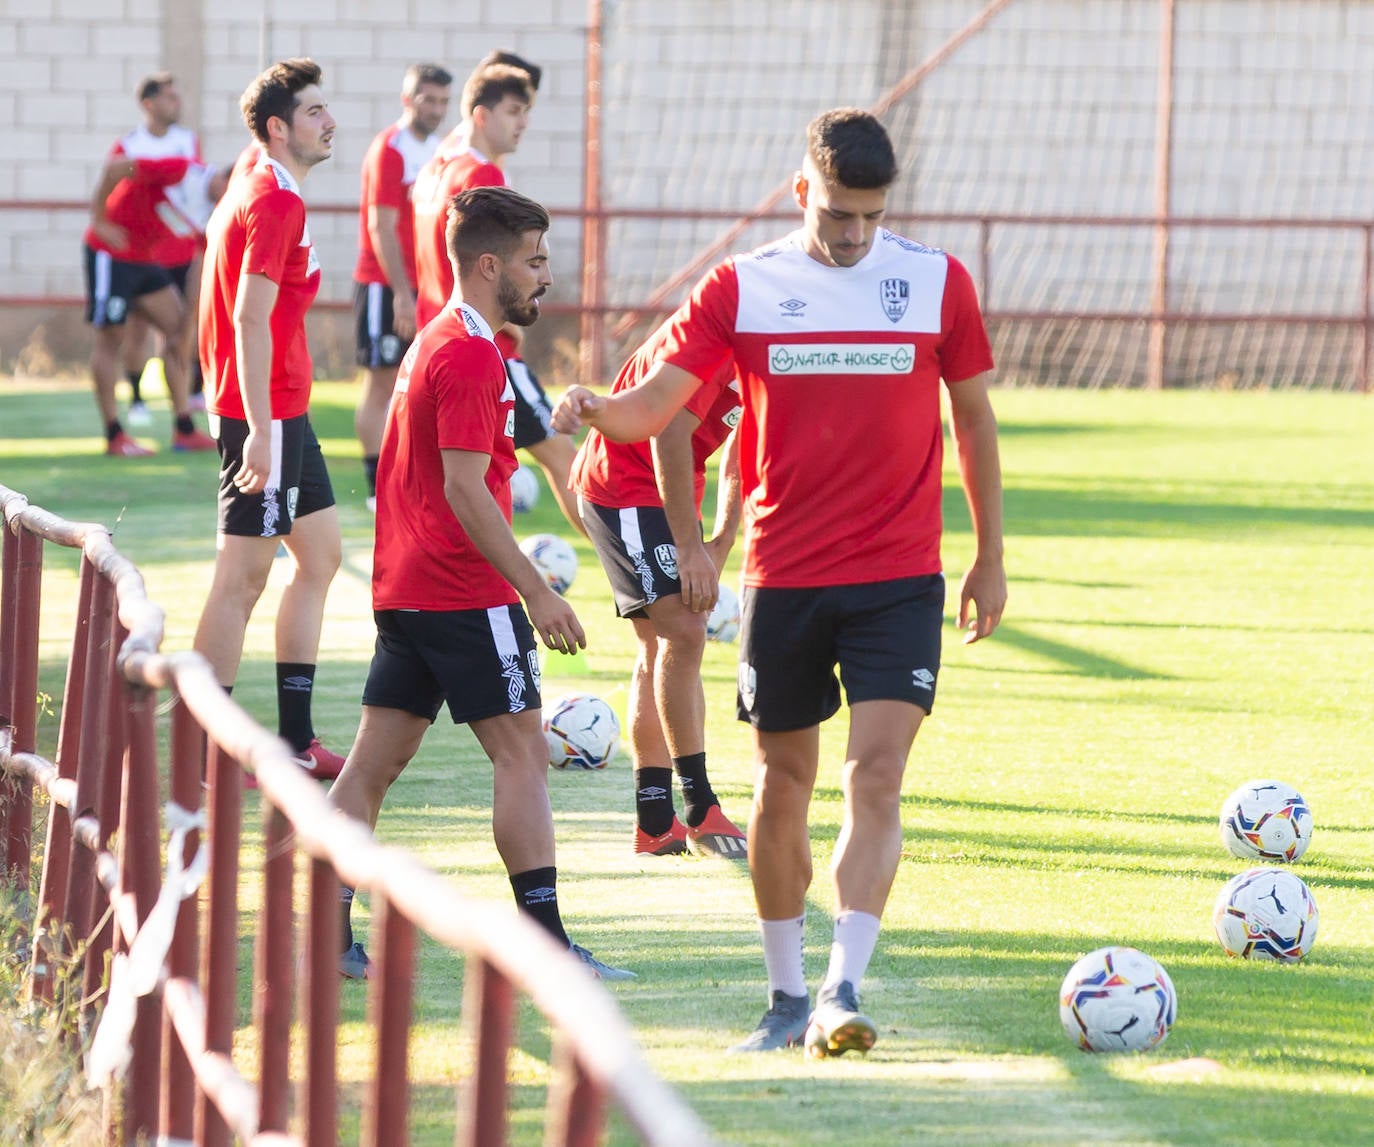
x=666 y=556
x=896 y=294
x=748 y=685
x=535 y=676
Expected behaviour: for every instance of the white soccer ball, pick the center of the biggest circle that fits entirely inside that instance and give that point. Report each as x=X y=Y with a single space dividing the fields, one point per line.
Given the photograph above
x=1266 y=820
x=723 y=624
x=554 y=558
x=1266 y=914
x=583 y=732
x=524 y=490
x=1117 y=999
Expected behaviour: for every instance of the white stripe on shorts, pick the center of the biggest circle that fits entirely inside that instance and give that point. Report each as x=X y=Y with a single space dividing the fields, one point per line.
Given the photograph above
x=100 y=289
x=508 y=649
x=374 y=311
x=629 y=531
x=272 y=508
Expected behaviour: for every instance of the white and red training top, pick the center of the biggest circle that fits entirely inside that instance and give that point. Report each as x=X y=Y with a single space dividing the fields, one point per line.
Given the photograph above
x=259 y=229
x=451 y=393
x=389 y=170
x=149 y=208
x=841 y=440
x=621 y=474
x=439 y=180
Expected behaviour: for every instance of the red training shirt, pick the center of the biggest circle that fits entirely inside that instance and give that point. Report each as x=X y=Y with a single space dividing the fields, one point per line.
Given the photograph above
x=439 y=181
x=389 y=170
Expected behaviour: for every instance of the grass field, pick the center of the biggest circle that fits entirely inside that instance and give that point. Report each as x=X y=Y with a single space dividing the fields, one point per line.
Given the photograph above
x=1192 y=606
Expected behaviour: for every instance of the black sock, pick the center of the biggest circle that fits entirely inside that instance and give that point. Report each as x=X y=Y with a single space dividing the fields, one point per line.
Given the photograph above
x=113 y=430
x=136 y=385
x=184 y=424
x=346 y=917
x=654 y=800
x=697 y=797
x=536 y=892
x=370 y=473
x=295 y=681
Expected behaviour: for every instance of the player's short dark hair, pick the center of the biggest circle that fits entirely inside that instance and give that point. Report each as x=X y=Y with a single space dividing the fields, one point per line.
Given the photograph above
x=488 y=86
x=275 y=92
x=418 y=74
x=152 y=85
x=502 y=56
x=852 y=149
x=490 y=221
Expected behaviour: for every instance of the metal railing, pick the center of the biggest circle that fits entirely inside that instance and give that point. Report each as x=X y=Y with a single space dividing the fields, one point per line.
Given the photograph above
x=166 y=1012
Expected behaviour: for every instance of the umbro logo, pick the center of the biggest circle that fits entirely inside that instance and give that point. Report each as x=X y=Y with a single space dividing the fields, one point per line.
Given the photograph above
x=296 y=684
x=923 y=679
x=652 y=793
x=792 y=308
x=543 y=895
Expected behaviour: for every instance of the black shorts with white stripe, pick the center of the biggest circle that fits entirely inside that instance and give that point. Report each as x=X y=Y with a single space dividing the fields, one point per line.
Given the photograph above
x=298 y=484
x=378 y=344
x=637 y=552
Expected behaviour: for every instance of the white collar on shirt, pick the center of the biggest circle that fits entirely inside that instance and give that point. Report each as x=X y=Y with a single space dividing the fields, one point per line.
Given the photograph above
x=283 y=174
x=476 y=324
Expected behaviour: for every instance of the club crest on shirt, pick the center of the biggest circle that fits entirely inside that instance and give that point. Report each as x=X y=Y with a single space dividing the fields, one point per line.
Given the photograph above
x=666 y=556
x=896 y=295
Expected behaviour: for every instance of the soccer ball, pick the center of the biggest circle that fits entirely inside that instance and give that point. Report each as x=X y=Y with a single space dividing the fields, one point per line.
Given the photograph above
x=1266 y=914
x=583 y=732
x=1117 y=999
x=1266 y=820
x=524 y=490
x=723 y=624
x=553 y=558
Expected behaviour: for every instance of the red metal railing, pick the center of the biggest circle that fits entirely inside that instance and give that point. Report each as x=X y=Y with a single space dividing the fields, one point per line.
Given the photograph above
x=169 y=1001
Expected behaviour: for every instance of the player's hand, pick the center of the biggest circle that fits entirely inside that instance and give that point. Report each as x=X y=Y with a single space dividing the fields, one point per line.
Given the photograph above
x=719 y=549
x=111 y=234
x=257 y=464
x=578 y=405
x=699 y=577
x=984 y=589
x=403 y=315
x=555 y=622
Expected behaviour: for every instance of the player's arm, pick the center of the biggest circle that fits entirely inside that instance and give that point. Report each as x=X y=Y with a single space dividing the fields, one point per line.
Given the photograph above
x=381 y=230
x=555 y=456
x=673 y=472
x=116 y=169
x=729 y=503
x=975 y=436
x=257 y=295
x=632 y=415
x=465 y=488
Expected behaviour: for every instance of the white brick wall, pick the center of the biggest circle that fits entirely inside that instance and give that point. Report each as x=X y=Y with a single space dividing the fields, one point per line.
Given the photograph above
x=1050 y=109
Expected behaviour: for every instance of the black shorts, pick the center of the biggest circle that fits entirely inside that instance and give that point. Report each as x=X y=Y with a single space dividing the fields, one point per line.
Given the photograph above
x=113 y=285
x=374 y=321
x=533 y=413
x=483 y=662
x=884 y=636
x=299 y=483
x=637 y=552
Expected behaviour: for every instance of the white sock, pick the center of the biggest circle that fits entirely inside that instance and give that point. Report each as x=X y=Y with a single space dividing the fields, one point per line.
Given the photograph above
x=856 y=935
x=783 y=955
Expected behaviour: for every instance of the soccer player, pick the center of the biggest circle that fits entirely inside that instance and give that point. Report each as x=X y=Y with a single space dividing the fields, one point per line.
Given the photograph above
x=261 y=275
x=841 y=333
x=641 y=503
x=495 y=107
x=384 y=277
x=129 y=273
x=447 y=575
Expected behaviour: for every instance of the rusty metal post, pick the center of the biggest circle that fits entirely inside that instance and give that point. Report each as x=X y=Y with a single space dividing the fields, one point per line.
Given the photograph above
x=593 y=322
x=1157 y=355
x=489 y=1004
x=386 y=1116
x=274 y=997
x=576 y=1108
x=18 y=790
x=1366 y=306
x=321 y=1019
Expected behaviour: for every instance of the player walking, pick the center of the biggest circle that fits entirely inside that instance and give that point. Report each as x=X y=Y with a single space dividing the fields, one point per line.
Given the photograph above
x=841 y=333
x=448 y=577
x=641 y=503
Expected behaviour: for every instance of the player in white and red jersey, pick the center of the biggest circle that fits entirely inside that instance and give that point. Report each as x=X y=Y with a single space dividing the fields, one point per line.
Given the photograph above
x=447 y=574
x=495 y=106
x=841 y=334
x=641 y=504
x=384 y=277
x=261 y=275
x=130 y=282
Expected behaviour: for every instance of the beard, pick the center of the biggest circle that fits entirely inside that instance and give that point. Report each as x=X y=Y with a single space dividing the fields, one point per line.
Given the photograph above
x=517 y=308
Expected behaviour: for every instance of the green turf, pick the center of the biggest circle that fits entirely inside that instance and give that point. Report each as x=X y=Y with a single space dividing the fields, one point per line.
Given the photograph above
x=1192 y=606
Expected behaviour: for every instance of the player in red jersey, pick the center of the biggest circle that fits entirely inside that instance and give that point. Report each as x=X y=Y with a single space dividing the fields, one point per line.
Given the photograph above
x=641 y=503
x=131 y=280
x=841 y=334
x=384 y=277
x=447 y=575
x=261 y=276
x=496 y=101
